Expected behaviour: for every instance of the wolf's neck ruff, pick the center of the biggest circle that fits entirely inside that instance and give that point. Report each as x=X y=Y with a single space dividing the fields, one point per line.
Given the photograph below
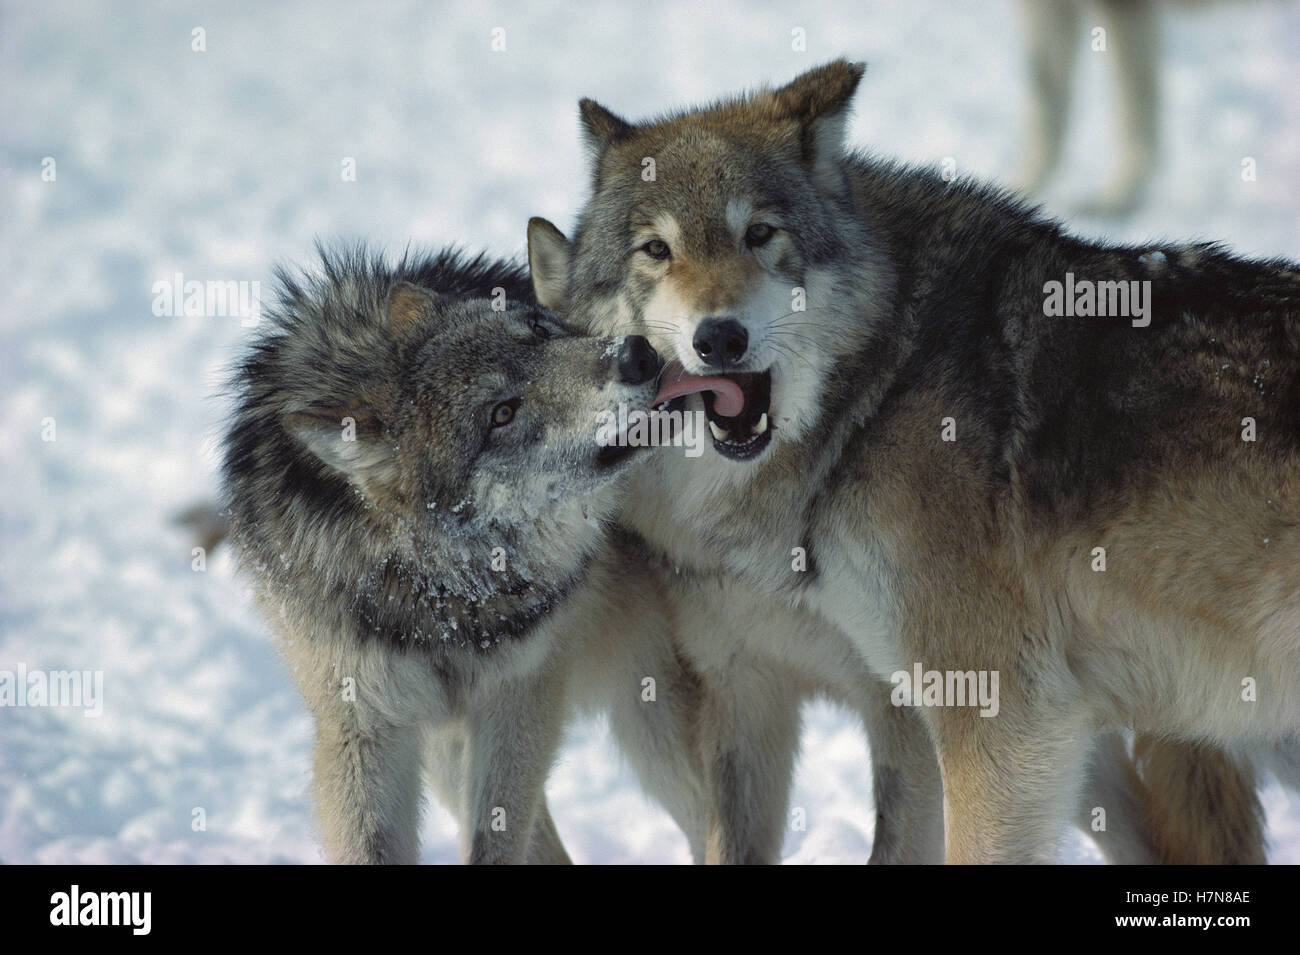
x=408 y=607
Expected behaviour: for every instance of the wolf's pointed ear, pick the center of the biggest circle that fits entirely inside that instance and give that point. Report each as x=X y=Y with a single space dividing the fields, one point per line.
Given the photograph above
x=819 y=102
x=406 y=303
x=600 y=127
x=548 y=261
x=351 y=441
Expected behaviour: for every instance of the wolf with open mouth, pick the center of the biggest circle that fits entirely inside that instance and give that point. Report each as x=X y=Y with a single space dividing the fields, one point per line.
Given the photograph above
x=917 y=460
x=741 y=259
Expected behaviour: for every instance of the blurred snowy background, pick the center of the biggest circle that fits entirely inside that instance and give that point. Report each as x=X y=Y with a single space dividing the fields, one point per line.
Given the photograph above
x=217 y=163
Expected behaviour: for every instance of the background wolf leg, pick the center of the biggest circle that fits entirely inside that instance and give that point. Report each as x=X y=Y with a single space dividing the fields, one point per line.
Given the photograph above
x=1055 y=31
x=1054 y=40
x=1133 y=38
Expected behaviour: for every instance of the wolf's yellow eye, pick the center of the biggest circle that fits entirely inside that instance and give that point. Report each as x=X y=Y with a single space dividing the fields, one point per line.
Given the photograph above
x=759 y=234
x=503 y=413
x=656 y=249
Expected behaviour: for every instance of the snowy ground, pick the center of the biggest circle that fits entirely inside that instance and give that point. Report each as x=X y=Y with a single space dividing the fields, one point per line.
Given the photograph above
x=215 y=164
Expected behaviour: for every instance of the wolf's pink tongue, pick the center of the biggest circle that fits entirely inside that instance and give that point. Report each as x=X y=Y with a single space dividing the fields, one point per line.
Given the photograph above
x=728 y=399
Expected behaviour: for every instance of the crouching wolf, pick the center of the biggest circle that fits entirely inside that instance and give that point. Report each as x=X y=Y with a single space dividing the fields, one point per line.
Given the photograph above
x=1094 y=502
x=414 y=481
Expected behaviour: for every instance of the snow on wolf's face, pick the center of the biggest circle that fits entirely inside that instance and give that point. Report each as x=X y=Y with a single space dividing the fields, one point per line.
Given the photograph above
x=722 y=234
x=485 y=420
x=511 y=408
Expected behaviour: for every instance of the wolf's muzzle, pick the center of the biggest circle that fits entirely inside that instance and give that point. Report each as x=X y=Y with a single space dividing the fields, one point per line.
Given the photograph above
x=638 y=362
x=720 y=342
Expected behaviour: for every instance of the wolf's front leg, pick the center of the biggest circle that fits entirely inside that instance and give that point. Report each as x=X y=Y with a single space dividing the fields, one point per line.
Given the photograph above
x=1010 y=782
x=513 y=737
x=750 y=735
x=367 y=787
x=446 y=760
x=367 y=704
x=906 y=782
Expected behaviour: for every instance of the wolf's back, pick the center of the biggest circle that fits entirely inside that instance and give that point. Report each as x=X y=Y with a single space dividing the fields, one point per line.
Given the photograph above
x=1087 y=396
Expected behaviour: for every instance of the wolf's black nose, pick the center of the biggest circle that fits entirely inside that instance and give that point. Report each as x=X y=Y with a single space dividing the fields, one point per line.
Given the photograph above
x=638 y=362
x=720 y=341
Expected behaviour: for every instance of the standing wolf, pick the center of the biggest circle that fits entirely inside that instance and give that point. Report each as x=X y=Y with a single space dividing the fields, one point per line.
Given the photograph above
x=1097 y=502
x=415 y=483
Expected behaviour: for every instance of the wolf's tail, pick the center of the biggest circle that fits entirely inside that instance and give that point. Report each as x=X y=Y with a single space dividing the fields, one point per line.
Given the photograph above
x=209 y=524
x=1201 y=803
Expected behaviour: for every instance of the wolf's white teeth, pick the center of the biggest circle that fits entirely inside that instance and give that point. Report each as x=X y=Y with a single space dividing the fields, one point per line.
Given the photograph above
x=718 y=433
x=761 y=426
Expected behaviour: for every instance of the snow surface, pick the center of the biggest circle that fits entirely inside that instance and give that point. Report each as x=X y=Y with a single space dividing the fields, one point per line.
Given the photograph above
x=216 y=164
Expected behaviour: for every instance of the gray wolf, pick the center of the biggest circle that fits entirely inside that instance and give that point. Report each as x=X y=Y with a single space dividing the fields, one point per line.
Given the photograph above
x=414 y=484
x=1102 y=509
